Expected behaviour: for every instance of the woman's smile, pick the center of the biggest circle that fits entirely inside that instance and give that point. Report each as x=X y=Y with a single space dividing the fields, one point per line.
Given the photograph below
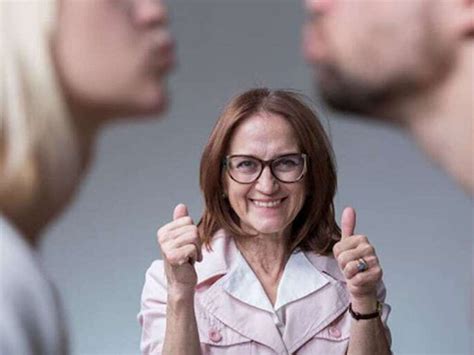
x=267 y=203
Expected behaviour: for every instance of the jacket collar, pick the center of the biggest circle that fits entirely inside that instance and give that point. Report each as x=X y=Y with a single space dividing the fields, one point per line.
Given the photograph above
x=223 y=257
x=242 y=283
x=327 y=265
x=218 y=260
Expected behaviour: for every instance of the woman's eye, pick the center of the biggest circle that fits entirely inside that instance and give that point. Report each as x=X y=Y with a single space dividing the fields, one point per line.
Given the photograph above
x=246 y=164
x=287 y=163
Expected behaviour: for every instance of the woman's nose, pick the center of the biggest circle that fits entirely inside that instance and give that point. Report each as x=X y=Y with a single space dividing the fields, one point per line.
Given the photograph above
x=267 y=183
x=150 y=13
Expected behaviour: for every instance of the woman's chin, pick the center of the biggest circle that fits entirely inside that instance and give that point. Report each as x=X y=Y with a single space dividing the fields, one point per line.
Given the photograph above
x=155 y=103
x=270 y=229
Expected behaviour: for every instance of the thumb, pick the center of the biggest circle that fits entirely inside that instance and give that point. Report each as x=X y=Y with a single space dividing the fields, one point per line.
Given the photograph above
x=348 y=222
x=180 y=211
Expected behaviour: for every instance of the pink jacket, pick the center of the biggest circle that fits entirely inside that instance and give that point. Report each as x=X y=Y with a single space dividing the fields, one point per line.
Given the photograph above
x=318 y=323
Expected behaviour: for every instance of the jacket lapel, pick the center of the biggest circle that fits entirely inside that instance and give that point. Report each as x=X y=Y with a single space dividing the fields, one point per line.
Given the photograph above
x=251 y=322
x=307 y=317
x=311 y=314
x=247 y=320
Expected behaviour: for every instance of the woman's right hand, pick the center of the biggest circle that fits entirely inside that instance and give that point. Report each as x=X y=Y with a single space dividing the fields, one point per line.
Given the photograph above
x=181 y=248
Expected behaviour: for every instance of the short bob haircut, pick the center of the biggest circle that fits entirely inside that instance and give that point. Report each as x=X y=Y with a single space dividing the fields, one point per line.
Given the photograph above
x=314 y=228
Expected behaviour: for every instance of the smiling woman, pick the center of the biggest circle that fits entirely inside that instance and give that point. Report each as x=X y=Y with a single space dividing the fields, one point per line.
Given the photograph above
x=266 y=206
x=276 y=274
x=249 y=125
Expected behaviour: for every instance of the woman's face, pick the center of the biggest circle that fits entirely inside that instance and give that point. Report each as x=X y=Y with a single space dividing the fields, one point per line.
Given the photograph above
x=113 y=55
x=266 y=206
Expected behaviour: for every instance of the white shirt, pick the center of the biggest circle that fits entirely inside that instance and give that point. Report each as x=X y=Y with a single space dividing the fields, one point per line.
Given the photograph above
x=31 y=320
x=300 y=278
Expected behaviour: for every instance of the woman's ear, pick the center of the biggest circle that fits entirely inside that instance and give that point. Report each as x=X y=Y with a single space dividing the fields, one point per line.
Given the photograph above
x=224 y=187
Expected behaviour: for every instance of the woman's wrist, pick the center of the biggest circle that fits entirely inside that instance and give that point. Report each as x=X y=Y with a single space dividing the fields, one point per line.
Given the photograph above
x=180 y=295
x=364 y=305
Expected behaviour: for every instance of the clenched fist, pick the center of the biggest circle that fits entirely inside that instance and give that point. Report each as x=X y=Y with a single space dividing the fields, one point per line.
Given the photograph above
x=181 y=248
x=358 y=262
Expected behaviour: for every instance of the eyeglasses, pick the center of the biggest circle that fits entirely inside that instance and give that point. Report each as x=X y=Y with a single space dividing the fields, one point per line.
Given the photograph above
x=246 y=169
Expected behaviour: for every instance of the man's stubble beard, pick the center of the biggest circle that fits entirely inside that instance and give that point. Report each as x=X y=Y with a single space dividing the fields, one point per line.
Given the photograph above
x=344 y=93
x=386 y=98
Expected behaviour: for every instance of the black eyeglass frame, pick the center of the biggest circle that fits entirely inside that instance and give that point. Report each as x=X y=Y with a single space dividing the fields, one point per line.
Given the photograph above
x=263 y=164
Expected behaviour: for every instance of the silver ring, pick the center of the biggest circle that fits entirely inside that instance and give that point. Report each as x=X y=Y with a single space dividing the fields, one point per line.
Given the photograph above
x=362 y=265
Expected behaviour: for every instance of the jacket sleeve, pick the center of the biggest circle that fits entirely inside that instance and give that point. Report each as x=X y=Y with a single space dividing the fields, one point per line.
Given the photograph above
x=152 y=316
x=381 y=295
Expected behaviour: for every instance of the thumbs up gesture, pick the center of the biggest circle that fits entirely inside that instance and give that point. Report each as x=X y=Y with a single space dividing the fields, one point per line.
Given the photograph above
x=358 y=262
x=181 y=248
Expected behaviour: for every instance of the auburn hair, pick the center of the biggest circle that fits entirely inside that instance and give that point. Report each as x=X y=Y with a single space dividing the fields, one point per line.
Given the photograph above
x=314 y=228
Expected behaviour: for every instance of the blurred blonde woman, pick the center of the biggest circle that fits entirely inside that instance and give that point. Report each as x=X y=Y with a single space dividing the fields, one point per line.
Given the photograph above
x=67 y=67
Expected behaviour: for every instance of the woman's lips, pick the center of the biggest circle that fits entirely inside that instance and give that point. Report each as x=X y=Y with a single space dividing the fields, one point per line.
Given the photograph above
x=163 y=54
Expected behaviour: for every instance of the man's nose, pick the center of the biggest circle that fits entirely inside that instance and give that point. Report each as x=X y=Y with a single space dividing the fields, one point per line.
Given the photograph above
x=318 y=7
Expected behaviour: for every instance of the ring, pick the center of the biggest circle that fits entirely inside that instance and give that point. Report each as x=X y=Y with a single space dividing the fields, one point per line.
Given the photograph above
x=362 y=265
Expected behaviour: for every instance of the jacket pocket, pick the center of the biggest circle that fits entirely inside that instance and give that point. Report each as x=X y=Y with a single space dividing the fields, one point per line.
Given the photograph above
x=338 y=330
x=333 y=339
x=224 y=341
x=216 y=338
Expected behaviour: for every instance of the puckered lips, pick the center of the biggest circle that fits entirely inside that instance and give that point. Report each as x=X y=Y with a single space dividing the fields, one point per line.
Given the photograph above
x=162 y=53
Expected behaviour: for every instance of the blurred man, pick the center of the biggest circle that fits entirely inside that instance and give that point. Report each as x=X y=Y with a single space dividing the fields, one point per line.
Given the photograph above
x=408 y=63
x=67 y=68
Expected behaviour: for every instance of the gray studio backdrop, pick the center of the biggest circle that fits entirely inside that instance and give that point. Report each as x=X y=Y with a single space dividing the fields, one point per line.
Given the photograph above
x=418 y=220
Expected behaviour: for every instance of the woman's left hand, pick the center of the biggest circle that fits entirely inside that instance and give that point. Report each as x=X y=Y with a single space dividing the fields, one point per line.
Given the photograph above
x=351 y=252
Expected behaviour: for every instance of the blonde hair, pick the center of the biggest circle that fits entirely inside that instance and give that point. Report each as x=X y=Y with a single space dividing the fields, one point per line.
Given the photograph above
x=38 y=149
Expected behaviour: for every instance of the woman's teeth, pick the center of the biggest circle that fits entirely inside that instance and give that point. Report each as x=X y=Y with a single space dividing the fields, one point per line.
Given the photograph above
x=267 y=203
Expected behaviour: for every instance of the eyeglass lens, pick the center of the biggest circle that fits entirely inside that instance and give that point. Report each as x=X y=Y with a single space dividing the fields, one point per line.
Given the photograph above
x=246 y=169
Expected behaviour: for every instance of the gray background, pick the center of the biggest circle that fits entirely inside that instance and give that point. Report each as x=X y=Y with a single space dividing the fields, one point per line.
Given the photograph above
x=420 y=223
